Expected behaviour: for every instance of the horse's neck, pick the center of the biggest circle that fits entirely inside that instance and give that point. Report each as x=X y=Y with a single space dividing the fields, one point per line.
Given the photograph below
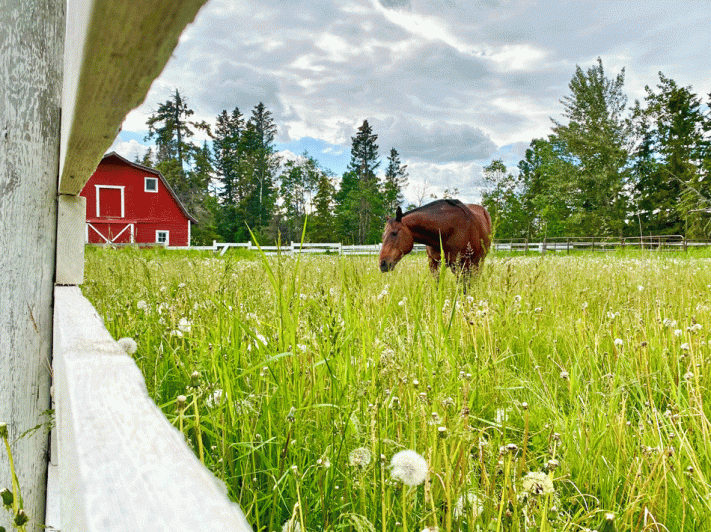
x=420 y=225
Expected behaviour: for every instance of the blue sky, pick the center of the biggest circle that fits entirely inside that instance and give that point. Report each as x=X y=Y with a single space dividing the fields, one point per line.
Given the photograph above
x=451 y=84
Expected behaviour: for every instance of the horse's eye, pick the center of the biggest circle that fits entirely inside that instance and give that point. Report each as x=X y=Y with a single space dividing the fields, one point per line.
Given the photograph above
x=394 y=233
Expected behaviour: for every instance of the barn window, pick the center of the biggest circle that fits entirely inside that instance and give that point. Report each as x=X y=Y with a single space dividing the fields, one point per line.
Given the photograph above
x=151 y=184
x=162 y=237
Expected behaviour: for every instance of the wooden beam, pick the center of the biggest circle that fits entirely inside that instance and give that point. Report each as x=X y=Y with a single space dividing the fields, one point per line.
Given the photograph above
x=122 y=465
x=31 y=43
x=114 y=51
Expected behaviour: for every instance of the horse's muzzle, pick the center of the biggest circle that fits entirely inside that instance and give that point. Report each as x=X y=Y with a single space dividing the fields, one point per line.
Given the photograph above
x=386 y=266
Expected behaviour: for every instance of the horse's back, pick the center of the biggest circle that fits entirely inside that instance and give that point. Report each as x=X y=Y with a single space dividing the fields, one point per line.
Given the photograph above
x=482 y=215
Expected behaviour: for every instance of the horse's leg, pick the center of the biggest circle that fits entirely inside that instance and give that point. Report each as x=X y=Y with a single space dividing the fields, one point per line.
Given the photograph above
x=435 y=258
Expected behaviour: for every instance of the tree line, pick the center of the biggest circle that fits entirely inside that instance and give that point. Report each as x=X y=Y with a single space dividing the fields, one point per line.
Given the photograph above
x=611 y=169
x=238 y=185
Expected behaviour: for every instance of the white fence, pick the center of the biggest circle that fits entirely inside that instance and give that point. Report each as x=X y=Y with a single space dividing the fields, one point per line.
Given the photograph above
x=298 y=247
x=121 y=464
x=561 y=244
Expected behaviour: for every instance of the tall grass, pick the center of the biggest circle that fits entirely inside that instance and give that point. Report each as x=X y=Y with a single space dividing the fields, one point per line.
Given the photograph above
x=560 y=393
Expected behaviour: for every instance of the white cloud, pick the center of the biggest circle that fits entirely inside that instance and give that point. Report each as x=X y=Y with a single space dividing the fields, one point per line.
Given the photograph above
x=449 y=84
x=130 y=149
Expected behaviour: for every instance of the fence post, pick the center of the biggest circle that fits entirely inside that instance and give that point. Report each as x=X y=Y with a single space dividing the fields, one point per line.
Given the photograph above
x=525 y=248
x=30 y=87
x=685 y=248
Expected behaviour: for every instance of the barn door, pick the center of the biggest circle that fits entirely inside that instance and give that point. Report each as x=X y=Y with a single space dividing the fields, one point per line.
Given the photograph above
x=109 y=202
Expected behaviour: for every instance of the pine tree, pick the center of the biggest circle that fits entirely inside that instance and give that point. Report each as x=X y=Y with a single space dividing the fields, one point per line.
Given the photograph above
x=595 y=136
x=227 y=154
x=395 y=181
x=322 y=227
x=672 y=143
x=359 y=200
x=259 y=166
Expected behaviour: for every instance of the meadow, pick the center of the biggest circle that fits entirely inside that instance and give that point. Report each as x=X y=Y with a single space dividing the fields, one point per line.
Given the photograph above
x=564 y=392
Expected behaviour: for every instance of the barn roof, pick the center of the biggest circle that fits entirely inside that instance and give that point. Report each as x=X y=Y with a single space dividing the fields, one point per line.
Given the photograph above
x=154 y=172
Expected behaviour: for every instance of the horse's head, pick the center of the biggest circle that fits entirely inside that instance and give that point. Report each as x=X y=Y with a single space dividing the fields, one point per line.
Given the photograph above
x=397 y=241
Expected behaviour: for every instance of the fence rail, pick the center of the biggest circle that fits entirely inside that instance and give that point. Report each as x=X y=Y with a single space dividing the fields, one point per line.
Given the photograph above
x=557 y=244
x=122 y=465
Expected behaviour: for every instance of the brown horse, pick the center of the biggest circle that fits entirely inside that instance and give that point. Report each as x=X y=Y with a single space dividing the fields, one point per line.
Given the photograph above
x=462 y=231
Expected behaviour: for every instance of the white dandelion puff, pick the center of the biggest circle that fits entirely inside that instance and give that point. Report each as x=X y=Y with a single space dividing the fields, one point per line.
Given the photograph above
x=409 y=467
x=537 y=483
x=619 y=342
x=128 y=344
x=360 y=457
x=142 y=305
x=184 y=325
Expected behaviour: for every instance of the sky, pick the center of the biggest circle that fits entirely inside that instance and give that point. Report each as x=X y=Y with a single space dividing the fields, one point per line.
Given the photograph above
x=450 y=84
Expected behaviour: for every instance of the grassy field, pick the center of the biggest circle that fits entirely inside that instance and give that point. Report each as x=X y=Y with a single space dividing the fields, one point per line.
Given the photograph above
x=560 y=393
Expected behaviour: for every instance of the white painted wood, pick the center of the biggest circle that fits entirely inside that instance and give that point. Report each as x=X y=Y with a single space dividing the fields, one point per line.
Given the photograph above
x=123 y=466
x=31 y=39
x=71 y=222
x=116 y=48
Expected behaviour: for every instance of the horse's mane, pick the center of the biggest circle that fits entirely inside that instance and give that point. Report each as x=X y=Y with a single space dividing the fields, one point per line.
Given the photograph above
x=437 y=203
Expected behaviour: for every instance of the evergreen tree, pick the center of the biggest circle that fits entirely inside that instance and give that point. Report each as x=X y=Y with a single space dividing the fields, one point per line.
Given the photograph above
x=322 y=227
x=201 y=204
x=670 y=155
x=227 y=154
x=359 y=200
x=595 y=136
x=147 y=159
x=395 y=181
x=171 y=129
x=259 y=166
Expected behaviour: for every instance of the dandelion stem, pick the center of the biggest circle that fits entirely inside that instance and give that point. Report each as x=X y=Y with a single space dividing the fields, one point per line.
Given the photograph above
x=198 y=432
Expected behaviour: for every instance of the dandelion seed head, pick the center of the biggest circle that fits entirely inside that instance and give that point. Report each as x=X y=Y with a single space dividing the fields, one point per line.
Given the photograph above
x=684 y=346
x=619 y=342
x=142 y=305
x=184 y=325
x=409 y=467
x=678 y=332
x=537 y=483
x=128 y=344
x=360 y=457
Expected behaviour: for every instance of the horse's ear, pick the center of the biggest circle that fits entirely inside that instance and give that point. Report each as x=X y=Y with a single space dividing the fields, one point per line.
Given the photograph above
x=398 y=214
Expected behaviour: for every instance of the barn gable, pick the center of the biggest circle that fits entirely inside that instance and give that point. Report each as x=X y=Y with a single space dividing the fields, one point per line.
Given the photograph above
x=128 y=202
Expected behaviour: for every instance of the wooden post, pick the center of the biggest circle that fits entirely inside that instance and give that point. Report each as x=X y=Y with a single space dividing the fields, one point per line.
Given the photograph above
x=31 y=46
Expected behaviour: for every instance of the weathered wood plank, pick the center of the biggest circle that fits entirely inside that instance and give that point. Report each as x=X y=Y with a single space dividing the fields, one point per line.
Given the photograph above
x=71 y=221
x=31 y=41
x=115 y=49
x=122 y=465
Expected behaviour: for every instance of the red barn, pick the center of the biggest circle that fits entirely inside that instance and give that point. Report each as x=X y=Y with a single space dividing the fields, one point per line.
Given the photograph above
x=127 y=202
